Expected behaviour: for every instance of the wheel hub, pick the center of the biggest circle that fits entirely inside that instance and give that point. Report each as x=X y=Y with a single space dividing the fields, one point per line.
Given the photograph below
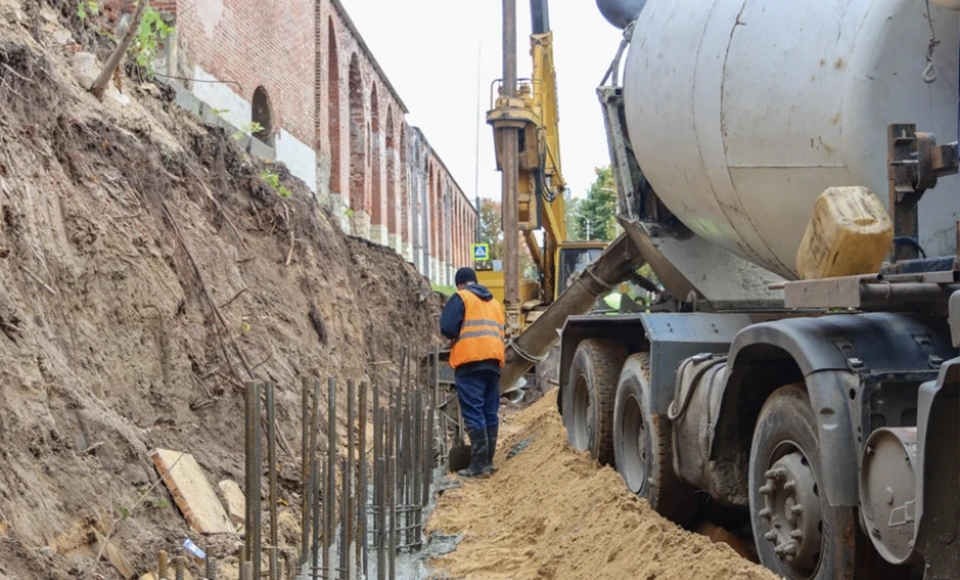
x=791 y=511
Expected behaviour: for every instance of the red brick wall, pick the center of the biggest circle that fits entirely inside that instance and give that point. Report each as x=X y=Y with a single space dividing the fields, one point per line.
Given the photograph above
x=257 y=43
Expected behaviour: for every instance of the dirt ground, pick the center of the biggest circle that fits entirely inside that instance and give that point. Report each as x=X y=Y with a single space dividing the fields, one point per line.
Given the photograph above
x=146 y=273
x=550 y=512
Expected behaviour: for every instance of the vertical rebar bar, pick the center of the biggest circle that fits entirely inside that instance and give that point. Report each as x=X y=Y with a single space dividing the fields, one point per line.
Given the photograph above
x=253 y=449
x=246 y=571
x=315 y=479
x=417 y=464
x=362 y=542
x=210 y=566
x=375 y=466
x=290 y=561
x=163 y=564
x=306 y=484
x=392 y=496
x=272 y=478
x=179 y=564
x=344 y=522
x=329 y=512
x=349 y=494
x=312 y=511
x=381 y=518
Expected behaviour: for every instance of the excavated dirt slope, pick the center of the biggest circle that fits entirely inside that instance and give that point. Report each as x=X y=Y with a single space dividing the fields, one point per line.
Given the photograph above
x=146 y=271
x=550 y=512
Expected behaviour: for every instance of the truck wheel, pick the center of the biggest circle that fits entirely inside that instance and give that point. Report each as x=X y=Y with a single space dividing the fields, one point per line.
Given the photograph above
x=588 y=400
x=643 y=446
x=798 y=535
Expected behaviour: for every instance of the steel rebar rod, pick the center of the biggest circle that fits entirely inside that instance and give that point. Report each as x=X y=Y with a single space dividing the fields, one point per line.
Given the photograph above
x=315 y=478
x=381 y=518
x=306 y=484
x=344 y=544
x=417 y=463
x=210 y=566
x=163 y=564
x=392 y=496
x=272 y=478
x=349 y=494
x=180 y=563
x=361 y=503
x=330 y=499
x=253 y=450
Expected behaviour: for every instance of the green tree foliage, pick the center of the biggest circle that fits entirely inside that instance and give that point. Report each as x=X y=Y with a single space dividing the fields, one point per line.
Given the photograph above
x=491 y=232
x=490 y=227
x=596 y=215
x=572 y=208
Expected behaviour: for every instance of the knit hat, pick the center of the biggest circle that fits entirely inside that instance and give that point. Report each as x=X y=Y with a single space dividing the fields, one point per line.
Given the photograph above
x=465 y=276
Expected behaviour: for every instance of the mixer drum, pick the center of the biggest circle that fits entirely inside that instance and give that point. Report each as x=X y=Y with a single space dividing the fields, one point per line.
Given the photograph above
x=741 y=112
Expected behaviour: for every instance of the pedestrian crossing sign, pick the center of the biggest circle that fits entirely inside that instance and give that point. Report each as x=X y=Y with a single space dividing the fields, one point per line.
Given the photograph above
x=481 y=252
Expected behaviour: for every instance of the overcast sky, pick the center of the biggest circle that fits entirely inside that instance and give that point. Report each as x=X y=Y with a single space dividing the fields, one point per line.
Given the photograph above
x=429 y=50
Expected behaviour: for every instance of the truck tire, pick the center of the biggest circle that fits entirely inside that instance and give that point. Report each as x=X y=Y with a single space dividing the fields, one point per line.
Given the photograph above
x=643 y=446
x=589 y=396
x=798 y=535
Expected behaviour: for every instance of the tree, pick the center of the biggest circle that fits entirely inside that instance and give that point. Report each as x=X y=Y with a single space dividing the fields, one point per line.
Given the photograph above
x=491 y=227
x=491 y=233
x=595 y=217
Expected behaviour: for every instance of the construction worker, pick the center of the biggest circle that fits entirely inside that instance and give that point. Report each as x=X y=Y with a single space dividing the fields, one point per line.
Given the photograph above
x=474 y=321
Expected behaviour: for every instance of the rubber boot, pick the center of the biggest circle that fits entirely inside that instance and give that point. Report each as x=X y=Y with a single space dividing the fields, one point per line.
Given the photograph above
x=478 y=454
x=492 y=448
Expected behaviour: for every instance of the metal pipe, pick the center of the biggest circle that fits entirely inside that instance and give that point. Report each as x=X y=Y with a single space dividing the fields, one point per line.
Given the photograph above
x=306 y=484
x=272 y=477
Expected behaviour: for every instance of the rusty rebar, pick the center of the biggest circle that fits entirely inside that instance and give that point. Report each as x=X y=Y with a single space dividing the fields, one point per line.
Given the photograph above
x=163 y=563
x=361 y=503
x=316 y=478
x=273 y=572
x=306 y=485
x=349 y=495
x=416 y=465
x=392 y=496
x=312 y=512
x=179 y=564
x=246 y=571
x=329 y=513
x=210 y=566
x=253 y=450
x=343 y=546
x=381 y=519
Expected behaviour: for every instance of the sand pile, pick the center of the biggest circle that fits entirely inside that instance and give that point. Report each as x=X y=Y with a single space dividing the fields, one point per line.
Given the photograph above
x=550 y=512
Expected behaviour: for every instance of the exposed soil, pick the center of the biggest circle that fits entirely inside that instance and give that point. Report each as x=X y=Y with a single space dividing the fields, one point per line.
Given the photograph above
x=550 y=512
x=146 y=272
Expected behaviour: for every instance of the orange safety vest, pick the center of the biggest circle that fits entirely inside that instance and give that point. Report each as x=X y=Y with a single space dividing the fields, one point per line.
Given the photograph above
x=481 y=336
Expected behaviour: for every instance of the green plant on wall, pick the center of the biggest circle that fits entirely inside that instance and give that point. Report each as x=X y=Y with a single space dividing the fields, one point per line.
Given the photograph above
x=273 y=180
x=153 y=29
x=248 y=129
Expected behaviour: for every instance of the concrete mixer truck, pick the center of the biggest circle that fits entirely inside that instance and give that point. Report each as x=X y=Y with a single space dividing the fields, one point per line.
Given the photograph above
x=818 y=408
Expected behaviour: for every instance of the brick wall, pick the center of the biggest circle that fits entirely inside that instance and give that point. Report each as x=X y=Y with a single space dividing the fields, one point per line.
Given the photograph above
x=326 y=89
x=252 y=43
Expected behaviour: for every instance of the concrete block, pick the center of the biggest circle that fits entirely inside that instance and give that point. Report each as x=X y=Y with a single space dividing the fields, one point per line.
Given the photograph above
x=236 y=503
x=259 y=149
x=192 y=492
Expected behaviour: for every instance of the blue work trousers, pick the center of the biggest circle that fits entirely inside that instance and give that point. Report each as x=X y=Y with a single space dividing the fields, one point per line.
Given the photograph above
x=479 y=395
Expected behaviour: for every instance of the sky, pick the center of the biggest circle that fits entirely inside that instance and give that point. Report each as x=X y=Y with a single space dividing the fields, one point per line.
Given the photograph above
x=429 y=49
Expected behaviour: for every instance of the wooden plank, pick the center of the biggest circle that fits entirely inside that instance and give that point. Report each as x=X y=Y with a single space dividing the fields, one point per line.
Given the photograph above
x=192 y=492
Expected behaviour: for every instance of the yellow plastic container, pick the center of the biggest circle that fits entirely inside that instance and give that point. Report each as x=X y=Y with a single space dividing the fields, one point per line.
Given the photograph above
x=850 y=234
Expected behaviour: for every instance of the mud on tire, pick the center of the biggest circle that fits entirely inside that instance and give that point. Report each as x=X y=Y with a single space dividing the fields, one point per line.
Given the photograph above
x=589 y=394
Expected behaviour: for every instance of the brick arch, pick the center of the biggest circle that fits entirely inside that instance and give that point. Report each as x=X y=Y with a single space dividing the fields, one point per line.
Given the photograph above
x=391 y=174
x=262 y=114
x=358 y=147
x=333 y=107
x=376 y=156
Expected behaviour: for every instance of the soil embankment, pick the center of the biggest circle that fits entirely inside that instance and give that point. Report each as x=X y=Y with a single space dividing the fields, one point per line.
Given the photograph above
x=550 y=512
x=147 y=271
